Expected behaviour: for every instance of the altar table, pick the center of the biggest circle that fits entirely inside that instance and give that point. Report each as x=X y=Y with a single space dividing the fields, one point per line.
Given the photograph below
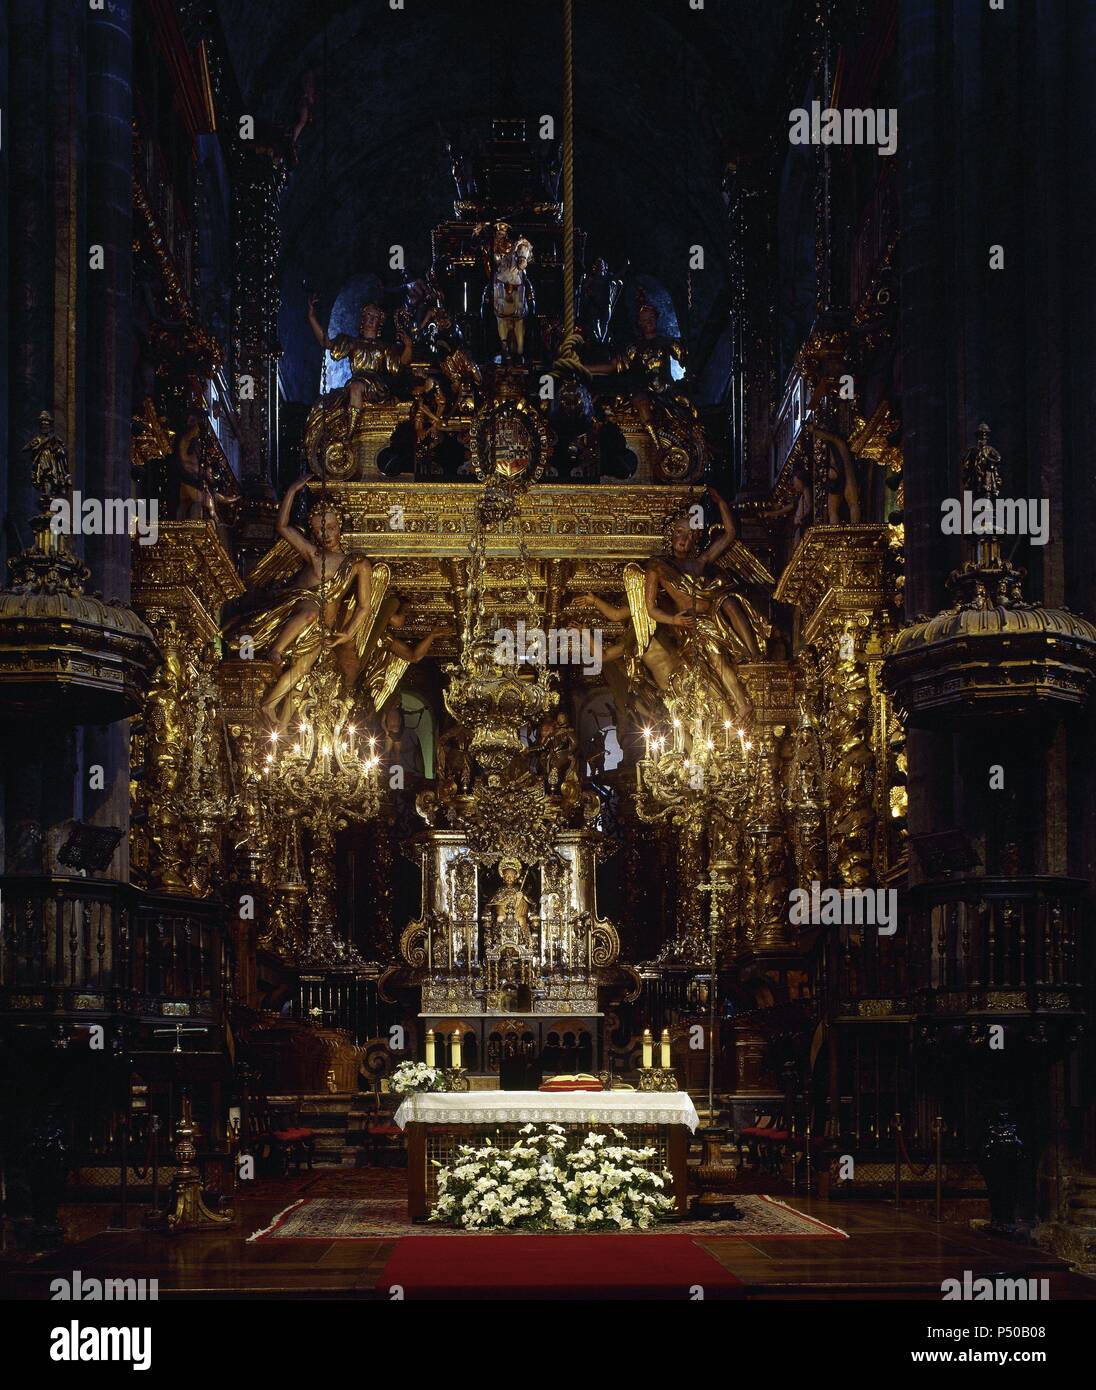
x=438 y=1121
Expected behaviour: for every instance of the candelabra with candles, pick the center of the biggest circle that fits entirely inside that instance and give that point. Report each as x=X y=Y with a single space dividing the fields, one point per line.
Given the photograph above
x=660 y=1078
x=696 y=774
x=695 y=764
x=320 y=771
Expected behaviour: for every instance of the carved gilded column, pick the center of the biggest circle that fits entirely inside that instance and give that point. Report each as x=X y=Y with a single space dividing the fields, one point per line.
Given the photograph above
x=843 y=580
x=181 y=796
x=242 y=684
x=164 y=742
x=767 y=853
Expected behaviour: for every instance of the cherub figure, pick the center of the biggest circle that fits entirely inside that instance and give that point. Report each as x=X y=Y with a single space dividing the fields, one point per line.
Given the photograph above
x=454 y=760
x=799 y=509
x=198 y=496
x=560 y=748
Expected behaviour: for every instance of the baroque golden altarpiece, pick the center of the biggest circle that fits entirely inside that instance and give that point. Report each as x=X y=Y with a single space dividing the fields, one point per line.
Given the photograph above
x=803 y=783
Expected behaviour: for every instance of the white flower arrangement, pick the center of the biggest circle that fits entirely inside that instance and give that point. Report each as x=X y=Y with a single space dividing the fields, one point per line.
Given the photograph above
x=541 y=1183
x=411 y=1077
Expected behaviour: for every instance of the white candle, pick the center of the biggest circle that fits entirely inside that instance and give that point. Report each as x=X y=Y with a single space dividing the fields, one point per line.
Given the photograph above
x=648 y=1048
x=664 y=1050
x=430 y=1054
x=454 y=1049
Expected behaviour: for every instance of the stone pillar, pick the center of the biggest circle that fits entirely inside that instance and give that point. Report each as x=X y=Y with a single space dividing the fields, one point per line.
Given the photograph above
x=928 y=445
x=42 y=116
x=108 y=370
x=27 y=122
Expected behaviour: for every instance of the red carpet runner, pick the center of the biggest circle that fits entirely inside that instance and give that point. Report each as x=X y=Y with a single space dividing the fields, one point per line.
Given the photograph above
x=556 y=1267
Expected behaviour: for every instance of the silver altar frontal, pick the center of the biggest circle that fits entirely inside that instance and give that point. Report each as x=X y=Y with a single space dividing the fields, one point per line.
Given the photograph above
x=510 y=955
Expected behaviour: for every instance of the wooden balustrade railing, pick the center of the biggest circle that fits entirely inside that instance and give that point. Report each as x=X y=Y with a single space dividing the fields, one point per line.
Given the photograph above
x=973 y=937
x=88 y=936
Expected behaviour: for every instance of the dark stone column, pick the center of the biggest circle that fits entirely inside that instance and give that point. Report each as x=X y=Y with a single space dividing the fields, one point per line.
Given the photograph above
x=924 y=118
x=109 y=291
x=28 y=123
x=5 y=328
x=38 y=765
x=108 y=381
x=1077 y=296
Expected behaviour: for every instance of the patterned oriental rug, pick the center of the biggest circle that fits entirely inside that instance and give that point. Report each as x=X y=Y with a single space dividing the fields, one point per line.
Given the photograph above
x=332 y=1218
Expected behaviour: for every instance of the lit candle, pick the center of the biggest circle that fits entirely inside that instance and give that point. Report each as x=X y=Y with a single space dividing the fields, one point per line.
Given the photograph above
x=648 y=1049
x=430 y=1054
x=664 y=1050
x=454 y=1049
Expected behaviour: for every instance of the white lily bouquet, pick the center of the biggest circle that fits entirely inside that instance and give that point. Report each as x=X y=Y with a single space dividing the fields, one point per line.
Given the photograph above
x=411 y=1077
x=541 y=1183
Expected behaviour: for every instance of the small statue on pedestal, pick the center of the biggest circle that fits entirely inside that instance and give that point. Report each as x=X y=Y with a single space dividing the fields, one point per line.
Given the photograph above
x=509 y=907
x=513 y=298
x=667 y=415
x=374 y=365
x=49 y=460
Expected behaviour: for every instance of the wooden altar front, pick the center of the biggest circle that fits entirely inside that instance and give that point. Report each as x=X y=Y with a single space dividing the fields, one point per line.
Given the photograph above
x=436 y=1124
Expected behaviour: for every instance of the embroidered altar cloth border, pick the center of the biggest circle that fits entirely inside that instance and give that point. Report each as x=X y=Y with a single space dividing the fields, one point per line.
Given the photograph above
x=541 y=1107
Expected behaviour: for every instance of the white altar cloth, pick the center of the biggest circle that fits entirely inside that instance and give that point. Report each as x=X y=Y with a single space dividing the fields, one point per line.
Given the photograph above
x=548 y=1107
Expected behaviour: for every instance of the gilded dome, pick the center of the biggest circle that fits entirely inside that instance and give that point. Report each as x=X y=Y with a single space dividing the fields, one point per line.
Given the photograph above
x=969 y=662
x=995 y=622
x=75 y=655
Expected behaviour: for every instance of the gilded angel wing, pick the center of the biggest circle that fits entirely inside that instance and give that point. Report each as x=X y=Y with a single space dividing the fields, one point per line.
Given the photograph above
x=384 y=678
x=380 y=672
x=367 y=636
x=635 y=582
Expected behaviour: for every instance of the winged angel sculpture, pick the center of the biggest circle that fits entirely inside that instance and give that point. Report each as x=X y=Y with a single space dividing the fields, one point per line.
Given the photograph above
x=334 y=602
x=683 y=607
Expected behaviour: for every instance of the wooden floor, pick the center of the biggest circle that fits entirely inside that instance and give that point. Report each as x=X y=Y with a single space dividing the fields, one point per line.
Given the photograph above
x=890 y=1255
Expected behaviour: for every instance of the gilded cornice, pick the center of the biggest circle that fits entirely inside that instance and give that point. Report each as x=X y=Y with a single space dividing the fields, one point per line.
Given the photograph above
x=836 y=573
x=187 y=573
x=423 y=526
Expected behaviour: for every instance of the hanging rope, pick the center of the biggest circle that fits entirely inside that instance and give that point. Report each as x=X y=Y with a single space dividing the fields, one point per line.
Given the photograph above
x=323 y=372
x=568 y=171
